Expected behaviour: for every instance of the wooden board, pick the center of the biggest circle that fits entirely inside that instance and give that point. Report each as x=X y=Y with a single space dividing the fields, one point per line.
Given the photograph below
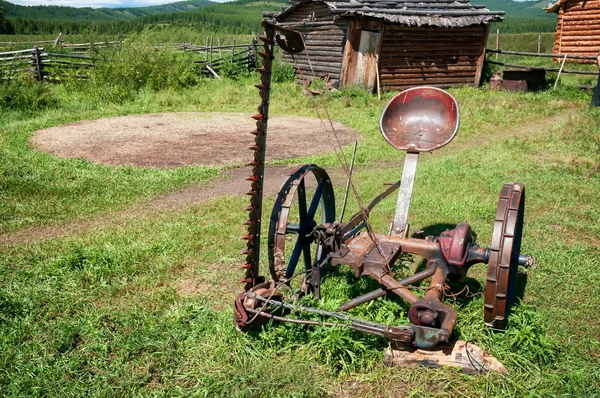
x=475 y=361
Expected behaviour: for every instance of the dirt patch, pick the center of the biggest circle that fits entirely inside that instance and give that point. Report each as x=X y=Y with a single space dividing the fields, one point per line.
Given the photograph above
x=186 y=138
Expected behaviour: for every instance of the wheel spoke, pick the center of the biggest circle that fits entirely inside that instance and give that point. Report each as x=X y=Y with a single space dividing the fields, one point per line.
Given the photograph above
x=307 y=256
x=314 y=204
x=292 y=228
x=302 y=201
x=293 y=219
x=294 y=258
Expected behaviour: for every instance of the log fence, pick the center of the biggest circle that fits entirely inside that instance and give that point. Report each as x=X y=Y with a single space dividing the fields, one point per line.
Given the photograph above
x=46 y=65
x=561 y=57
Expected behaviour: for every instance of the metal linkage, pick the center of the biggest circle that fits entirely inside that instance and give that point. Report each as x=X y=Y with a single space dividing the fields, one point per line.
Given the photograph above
x=416 y=120
x=396 y=333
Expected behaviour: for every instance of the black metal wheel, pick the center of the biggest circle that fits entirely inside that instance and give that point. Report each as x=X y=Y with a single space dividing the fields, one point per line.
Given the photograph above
x=505 y=250
x=306 y=196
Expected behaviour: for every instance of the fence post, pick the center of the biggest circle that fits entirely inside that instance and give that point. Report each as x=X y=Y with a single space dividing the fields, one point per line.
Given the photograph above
x=539 y=43
x=38 y=63
x=233 y=51
x=497 y=41
x=253 y=51
x=206 y=48
x=211 y=51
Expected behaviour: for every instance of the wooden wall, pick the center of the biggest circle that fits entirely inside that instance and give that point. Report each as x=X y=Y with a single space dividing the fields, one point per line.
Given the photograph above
x=578 y=29
x=324 y=38
x=441 y=57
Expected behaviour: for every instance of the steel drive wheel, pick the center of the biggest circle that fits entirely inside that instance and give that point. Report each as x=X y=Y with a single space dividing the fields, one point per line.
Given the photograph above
x=505 y=250
x=305 y=200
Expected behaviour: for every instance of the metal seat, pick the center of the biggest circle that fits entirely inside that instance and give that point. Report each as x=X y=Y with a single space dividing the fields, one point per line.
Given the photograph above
x=420 y=119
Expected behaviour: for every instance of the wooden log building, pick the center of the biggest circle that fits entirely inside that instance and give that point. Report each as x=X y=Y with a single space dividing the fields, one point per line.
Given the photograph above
x=577 y=28
x=406 y=42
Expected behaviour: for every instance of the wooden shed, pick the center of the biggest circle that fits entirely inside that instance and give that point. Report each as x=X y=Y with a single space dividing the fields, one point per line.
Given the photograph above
x=577 y=29
x=407 y=42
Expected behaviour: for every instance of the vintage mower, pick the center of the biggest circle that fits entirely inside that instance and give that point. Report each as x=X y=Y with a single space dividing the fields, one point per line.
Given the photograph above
x=420 y=119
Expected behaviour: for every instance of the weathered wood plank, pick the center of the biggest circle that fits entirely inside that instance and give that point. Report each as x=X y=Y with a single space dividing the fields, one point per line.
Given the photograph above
x=432 y=69
x=335 y=65
x=30 y=51
x=427 y=80
x=468 y=357
x=320 y=68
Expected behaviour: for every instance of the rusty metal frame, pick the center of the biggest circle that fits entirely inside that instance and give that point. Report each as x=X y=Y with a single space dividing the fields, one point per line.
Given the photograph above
x=342 y=243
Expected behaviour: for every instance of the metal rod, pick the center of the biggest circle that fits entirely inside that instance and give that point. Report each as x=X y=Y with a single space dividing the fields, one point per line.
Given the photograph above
x=398 y=289
x=290 y=320
x=375 y=294
x=337 y=315
x=348 y=182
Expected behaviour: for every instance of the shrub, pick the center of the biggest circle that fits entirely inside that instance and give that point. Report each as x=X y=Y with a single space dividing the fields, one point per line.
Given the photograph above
x=26 y=93
x=282 y=71
x=138 y=66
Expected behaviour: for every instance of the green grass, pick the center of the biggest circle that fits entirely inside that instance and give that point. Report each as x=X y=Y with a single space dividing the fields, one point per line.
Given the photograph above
x=142 y=306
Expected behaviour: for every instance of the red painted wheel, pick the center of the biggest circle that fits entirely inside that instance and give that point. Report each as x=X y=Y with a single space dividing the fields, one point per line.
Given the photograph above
x=505 y=250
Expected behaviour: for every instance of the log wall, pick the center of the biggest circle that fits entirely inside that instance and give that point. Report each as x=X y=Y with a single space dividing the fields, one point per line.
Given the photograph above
x=578 y=29
x=324 y=38
x=440 y=57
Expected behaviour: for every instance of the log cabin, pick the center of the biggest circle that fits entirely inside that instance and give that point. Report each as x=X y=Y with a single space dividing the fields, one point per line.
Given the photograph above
x=395 y=44
x=577 y=28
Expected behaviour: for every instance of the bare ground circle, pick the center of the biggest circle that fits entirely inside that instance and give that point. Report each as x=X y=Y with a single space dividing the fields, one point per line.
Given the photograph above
x=187 y=138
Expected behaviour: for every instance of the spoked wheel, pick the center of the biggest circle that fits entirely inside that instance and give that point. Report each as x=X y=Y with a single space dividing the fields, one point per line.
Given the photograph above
x=505 y=251
x=307 y=196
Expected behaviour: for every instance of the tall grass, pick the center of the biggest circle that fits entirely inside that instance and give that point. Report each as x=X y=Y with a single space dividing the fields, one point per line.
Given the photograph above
x=143 y=306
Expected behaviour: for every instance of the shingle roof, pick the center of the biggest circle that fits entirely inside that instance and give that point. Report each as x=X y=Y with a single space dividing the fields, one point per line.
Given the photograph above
x=440 y=13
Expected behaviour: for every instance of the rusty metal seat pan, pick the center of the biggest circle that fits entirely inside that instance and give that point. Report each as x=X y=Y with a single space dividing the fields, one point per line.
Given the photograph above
x=420 y=119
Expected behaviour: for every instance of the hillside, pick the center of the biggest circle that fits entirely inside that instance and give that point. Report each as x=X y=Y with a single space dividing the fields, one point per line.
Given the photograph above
x=519 y=9
x=521 y=16
x=96 y=14
x=236 y=17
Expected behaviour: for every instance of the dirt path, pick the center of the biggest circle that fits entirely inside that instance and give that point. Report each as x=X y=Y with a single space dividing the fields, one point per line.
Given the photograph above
x=185 y=138
x=236 y=184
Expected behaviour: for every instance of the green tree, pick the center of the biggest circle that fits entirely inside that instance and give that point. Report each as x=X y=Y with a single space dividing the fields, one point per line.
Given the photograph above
x=5 y=25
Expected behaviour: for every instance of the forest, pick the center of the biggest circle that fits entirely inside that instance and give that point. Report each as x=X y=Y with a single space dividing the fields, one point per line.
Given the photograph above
x=236 y=17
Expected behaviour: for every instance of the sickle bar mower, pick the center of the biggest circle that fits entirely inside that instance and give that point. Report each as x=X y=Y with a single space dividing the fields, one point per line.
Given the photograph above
x=420 y=119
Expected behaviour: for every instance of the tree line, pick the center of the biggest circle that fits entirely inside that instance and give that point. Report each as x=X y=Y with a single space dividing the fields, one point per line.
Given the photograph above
x=243 y=17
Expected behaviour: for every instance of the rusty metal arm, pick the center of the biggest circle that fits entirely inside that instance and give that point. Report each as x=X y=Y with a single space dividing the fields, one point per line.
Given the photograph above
x=356 y=221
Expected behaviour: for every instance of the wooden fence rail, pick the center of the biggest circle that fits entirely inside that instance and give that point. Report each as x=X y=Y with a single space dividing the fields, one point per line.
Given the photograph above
x=543 y=55
x=45 y=65
x=546 y=55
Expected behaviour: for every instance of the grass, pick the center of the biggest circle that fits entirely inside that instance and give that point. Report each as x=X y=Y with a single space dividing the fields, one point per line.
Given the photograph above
x=143 y=306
